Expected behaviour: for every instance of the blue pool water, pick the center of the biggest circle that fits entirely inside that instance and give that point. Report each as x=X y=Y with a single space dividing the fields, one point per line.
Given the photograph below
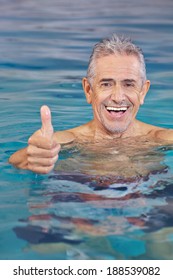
x=44 y=50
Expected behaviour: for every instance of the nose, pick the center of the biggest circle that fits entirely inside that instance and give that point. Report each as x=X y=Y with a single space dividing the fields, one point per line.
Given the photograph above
x=118 y=94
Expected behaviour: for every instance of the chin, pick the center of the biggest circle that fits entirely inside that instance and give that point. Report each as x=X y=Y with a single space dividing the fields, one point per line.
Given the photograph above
x=117 y=129
x=116 y=126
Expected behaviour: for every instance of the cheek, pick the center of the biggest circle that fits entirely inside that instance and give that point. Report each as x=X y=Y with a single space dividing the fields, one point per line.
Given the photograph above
x=97 y=99
x=135 y=98
x=97 y=105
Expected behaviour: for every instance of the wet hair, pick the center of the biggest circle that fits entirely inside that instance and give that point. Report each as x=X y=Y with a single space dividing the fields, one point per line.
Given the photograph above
x=118 y=45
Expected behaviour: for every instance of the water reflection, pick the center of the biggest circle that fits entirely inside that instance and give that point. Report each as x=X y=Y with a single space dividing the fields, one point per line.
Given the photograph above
x=71 y=220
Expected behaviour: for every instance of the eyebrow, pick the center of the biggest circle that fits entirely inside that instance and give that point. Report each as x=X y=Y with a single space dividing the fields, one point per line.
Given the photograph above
x=107 y=80
x=129 y=80
x=112 y=80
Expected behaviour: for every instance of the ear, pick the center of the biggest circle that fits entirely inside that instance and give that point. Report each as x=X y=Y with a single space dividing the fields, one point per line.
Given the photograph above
x=87 y=89
x=144 y=91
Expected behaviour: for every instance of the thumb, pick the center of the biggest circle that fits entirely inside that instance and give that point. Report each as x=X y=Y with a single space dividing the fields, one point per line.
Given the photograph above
x=47 y=128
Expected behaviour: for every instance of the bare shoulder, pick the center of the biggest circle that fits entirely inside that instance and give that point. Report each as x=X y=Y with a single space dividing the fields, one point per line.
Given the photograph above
x=163 y=134
x=159 y=133
x=71 y=135
x=156 y=133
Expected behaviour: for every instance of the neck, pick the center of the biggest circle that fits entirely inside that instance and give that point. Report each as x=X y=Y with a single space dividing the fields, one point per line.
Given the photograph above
x=99 y=132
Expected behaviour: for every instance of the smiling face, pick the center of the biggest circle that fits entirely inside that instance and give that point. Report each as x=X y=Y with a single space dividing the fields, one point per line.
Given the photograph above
x=116 y=93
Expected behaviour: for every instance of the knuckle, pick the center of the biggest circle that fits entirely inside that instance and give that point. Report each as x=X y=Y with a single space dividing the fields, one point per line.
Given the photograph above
x=29 y=159
x=49 y=145
x=49 y=162
x=28 y=150
x=31 y=168
x=48 y=168
x=52 y=161
x=51 y=153
x=40 y=169
x=56 y=157
x=31 y=139
x=44 y=171
x=58 y=148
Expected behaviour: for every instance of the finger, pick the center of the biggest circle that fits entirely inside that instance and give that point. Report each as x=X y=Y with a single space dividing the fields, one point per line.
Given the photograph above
x=47 y=128
x=42 y=153
x=42 y=162
x=39 y=141
x=40 y=169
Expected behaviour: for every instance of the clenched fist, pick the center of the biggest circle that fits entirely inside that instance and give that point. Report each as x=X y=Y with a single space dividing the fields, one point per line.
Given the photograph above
x=42 y=151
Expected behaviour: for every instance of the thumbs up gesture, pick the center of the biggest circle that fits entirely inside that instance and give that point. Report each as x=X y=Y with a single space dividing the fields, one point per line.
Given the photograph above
x=42 y=151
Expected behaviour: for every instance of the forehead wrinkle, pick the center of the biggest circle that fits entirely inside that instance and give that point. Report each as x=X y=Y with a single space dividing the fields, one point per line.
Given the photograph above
x=117 y=66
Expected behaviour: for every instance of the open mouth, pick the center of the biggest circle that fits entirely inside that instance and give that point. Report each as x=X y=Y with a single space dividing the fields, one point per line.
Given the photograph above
x=116 y=111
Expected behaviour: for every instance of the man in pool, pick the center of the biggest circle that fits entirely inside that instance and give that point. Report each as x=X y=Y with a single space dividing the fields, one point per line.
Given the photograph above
x=115 y=86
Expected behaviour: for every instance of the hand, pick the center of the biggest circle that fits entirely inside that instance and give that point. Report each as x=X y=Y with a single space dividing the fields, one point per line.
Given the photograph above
x=43 y=149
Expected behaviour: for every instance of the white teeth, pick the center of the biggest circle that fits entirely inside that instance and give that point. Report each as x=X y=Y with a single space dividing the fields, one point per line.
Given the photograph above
x=117 y=109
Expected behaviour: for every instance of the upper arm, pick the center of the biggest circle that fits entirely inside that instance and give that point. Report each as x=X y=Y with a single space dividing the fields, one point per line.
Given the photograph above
x=64 y=137
x=164 y=134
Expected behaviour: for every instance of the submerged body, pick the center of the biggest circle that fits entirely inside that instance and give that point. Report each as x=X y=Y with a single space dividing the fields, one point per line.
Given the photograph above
x=126 y=159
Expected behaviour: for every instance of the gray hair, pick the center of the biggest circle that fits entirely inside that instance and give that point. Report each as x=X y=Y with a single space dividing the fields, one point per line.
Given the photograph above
x=115 y=45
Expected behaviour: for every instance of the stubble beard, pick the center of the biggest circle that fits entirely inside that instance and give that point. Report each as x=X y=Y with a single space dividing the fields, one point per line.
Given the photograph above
x=115 y=129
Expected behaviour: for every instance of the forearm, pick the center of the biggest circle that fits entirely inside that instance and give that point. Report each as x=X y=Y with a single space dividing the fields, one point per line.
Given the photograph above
x=19 y=159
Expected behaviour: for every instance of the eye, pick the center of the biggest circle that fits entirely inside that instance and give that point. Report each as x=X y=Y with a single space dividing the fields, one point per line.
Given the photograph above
x=129 y=84
x=106 y=84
